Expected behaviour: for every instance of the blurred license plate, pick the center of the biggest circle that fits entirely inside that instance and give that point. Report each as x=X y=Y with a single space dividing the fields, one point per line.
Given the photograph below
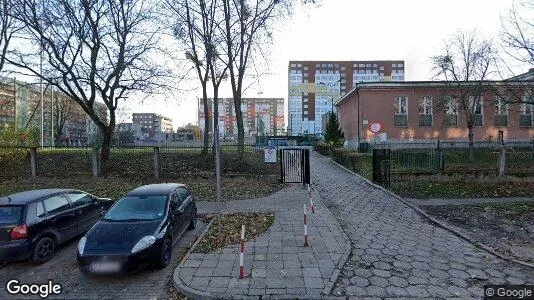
x=105 y=266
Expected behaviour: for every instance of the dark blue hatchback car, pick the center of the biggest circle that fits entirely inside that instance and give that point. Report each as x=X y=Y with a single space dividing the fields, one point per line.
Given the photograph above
x=138 y=230
x=34 y=223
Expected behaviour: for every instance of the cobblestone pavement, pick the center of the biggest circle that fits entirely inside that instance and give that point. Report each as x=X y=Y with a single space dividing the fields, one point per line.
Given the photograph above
x=63 y=269
x=277 y=263
x=398 y=253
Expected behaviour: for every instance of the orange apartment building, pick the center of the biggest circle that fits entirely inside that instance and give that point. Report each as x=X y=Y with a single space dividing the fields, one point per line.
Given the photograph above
x=425 y=110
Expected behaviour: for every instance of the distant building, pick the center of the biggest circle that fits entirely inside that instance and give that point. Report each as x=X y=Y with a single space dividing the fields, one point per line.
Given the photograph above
x=153 y=124
x=315 y=85
x=260 y=115
x=20 y=107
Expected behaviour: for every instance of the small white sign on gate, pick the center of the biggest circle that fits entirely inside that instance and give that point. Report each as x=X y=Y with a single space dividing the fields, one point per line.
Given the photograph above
x=270 y=155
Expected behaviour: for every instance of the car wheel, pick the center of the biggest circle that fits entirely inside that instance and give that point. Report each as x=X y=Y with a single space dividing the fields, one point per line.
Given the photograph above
x=165 y=255
x=44 y=250
x=193 y=223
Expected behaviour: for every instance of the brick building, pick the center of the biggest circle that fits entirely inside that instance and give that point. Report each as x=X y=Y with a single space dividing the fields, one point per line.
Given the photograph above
x=314 y=85
x=259 y=114
x=426 y=111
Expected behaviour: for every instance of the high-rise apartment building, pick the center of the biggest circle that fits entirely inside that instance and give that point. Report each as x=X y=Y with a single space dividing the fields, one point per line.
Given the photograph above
x=153 y=123
x=314 y=85
x=260 y=115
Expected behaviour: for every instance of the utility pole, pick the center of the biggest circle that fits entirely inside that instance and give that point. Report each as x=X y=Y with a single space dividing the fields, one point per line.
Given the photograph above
x=52 y=140
x=15 y=103
x=42 y=96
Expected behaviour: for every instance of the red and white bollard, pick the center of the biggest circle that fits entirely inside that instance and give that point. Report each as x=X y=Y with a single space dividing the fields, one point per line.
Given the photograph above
x=311 y=200
x=241 y=252
x=305 y=228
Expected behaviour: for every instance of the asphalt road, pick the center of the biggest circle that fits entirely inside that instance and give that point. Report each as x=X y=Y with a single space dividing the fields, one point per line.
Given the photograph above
x=62 y=269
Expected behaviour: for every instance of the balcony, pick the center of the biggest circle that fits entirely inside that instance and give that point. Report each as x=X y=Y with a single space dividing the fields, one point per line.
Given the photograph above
x=500 y=120
x=400 y=121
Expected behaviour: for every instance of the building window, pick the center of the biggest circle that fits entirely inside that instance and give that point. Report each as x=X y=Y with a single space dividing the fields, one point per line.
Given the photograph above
x=526 y=118
x=451 y=112
x=362 y=65
x=400 y=111
x=381 y=68
x=394 y=65
x=501 y=112
x=478 y=107
x=425 y=112
x=400 y=65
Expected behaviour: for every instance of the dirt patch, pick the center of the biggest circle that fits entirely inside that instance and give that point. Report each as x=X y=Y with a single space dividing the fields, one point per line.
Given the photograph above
x=226 y=229
x=507 y=228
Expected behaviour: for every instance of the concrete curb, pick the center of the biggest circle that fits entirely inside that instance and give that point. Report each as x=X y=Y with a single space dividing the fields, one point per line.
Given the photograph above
x=344 y=256
x=430 y=218
x=178 y=283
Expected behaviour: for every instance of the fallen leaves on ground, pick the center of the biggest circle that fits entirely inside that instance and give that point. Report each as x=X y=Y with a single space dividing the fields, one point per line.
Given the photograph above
x=462 y=189
x=115 y=187
x=226 y=230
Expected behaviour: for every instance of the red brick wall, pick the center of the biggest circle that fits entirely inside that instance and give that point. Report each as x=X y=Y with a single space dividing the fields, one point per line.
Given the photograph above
x=377 y=105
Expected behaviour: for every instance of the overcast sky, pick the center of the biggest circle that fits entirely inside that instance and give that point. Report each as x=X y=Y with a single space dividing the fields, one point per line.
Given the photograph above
x=409 y=30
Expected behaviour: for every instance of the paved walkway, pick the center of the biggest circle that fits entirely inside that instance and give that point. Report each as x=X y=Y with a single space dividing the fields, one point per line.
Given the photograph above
x=469 y=201
x=277 y=262
x=398 y=253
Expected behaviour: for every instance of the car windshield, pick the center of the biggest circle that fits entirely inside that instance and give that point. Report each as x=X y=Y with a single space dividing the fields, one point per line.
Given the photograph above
x=133 y=208
x=10 y=214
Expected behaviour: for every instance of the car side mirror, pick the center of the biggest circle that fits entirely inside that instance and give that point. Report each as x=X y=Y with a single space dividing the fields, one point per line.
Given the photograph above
x=178 y=211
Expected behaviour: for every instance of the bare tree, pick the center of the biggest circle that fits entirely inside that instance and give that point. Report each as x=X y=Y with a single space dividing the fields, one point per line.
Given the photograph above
x=467 y=63
x=9 y=26
x=518 y=31
x=192 y=27
x=61 y=113
x=247 y=25
x=93 y=51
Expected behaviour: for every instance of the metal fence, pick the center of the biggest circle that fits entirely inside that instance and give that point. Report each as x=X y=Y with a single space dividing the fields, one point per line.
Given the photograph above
x=131 y=162
x=450 y=144
x=486 y=159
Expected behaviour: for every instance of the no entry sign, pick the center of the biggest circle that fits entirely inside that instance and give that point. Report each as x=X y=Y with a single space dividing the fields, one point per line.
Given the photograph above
x=375 y=127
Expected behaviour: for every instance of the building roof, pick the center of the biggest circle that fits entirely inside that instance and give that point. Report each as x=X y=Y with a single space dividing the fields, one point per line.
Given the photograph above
x=523 y=77
x=423 y=84
x=30 y=196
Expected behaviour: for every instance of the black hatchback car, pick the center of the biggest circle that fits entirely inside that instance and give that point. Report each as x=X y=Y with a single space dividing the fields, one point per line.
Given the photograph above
x=33 y=223
x=138 y=230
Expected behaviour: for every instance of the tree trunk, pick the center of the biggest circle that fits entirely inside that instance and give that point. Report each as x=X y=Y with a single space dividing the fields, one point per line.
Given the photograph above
x=240 y=127
x=471 y=143
x=205 y=149
x=107 y=135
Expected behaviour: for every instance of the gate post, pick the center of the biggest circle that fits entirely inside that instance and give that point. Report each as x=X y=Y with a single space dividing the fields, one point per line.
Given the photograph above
x=33 y=161
x=156 y=162
x=281 y=165
x=306 y=170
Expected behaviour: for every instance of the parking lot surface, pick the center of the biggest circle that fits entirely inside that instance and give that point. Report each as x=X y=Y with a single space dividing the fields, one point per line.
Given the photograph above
x=63 y=269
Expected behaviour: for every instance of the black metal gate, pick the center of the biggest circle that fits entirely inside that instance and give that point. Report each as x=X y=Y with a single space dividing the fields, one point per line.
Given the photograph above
x=295 y=165
x=382 y=166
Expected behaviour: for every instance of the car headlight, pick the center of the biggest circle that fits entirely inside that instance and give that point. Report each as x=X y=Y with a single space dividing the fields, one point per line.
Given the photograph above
x=144 y=243
x=81 y=245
